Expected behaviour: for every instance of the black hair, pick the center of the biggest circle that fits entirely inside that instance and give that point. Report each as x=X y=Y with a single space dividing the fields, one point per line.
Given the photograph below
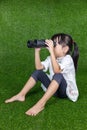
x=65 y=39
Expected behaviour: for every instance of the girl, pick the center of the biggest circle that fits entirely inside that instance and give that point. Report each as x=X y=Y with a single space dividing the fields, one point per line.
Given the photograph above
x=61 y=82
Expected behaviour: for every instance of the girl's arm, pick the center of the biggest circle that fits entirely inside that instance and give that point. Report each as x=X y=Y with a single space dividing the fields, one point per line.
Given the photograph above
x=56 y=67
x=38 y=64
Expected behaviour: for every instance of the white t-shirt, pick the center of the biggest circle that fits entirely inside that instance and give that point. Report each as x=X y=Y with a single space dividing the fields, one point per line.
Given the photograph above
x=68 y=71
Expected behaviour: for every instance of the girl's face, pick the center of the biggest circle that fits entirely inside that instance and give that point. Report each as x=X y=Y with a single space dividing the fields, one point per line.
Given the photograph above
x=60 y=50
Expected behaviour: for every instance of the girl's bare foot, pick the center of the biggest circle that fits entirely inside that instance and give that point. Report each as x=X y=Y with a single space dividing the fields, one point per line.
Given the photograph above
x=35 y=109
x=17 y=97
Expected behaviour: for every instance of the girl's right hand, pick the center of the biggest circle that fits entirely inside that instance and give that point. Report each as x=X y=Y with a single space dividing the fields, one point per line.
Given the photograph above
x=49 y=43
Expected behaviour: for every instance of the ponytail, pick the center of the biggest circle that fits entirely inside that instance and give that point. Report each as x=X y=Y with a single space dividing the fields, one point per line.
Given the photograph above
x=75 y=55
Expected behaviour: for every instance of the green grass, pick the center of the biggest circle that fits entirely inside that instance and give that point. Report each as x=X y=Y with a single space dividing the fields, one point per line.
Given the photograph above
x=21 y=20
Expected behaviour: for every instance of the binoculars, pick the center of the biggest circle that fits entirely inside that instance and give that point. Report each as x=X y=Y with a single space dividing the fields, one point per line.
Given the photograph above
x=37 y=44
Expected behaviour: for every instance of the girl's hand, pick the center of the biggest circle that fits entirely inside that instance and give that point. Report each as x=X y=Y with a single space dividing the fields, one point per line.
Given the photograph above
x=50 y=45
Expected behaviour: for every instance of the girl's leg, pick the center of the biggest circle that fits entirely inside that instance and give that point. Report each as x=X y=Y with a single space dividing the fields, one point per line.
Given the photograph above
x=39 y=106
x=21 y=95
x=37 y=75
x=57 y=88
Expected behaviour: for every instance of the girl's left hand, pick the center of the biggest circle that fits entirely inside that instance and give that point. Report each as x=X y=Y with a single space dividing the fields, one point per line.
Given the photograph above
x=50 y=45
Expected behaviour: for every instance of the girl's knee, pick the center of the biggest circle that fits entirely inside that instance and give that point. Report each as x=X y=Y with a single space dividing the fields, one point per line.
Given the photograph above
x=36 y=74
x=58 y=77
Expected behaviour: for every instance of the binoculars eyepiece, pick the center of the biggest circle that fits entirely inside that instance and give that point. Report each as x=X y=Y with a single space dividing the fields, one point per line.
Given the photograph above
x=37 y=44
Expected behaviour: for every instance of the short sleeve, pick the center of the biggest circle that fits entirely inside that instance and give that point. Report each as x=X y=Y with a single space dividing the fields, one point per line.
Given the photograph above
x=46 y=63
x=66 y=63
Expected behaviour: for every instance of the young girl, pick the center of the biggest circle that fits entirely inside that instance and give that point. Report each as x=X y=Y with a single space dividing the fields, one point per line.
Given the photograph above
x=61 y=82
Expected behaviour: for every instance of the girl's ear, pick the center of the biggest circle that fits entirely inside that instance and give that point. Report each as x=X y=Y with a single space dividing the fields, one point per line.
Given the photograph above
x=65 y=49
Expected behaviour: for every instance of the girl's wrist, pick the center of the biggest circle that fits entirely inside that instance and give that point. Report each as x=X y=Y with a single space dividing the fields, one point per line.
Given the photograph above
x=52 y=51
x=37 y=50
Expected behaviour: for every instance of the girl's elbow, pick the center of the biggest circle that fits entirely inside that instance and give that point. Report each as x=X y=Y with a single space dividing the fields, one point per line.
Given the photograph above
x=57 y=71
x=39 y=67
